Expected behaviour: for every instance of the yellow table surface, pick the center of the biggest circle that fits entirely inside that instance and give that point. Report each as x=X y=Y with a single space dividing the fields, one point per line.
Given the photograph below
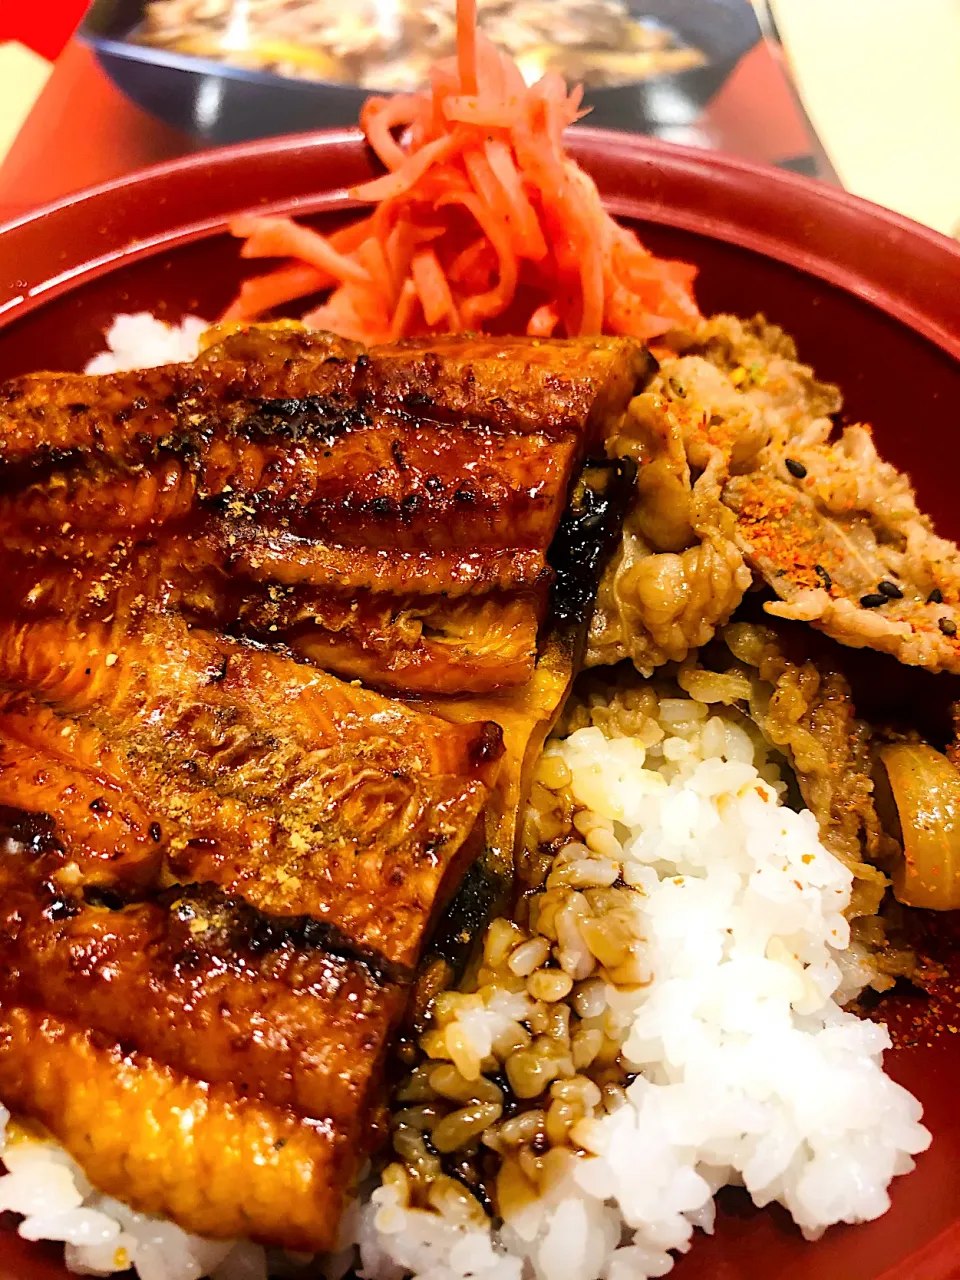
x=881 y=83
x=23 y=74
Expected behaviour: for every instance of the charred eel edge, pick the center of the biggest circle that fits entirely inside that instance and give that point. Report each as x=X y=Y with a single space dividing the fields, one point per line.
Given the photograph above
x=233 y=928
x=219 y=923
x=585 y=539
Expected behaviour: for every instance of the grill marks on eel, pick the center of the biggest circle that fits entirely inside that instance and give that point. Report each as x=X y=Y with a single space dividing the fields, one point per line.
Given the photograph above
x=271 y=789
x=253 y=1022
x=282 y=1008
x=284 y=460
x=399 y=448
x=319 y=385
x=219 y=863
x=291 y=787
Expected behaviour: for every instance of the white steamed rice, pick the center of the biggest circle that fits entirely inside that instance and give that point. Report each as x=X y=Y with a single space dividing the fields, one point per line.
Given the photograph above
x=748 y=1070
x=141 y=341
x=750 y=1073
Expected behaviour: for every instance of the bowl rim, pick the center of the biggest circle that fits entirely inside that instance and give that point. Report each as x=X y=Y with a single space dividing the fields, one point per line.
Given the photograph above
x=785 y=216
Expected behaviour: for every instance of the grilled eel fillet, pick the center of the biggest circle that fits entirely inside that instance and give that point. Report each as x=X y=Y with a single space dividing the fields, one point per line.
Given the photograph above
x=221 y=863
x=364 y=507
x=315 y=829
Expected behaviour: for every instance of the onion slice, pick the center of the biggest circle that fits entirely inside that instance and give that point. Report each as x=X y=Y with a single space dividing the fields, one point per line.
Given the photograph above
x=926 y=788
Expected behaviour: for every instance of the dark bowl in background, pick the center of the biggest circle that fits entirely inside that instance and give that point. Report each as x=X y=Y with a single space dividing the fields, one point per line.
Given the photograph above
x=221 y=103
x=874 y=303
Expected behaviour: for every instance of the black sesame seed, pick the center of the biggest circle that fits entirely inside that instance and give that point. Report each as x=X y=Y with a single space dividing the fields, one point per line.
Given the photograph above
x=935 y=596
x=795 y=468
x=948 y=626
x=873 y=601
x=824 y=577
x=890 y=589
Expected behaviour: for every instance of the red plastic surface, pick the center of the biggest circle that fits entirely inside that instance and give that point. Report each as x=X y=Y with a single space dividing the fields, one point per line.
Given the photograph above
x=874 y=302
x=44 y=28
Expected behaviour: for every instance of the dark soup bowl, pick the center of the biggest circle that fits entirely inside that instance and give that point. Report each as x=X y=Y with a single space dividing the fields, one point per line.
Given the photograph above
x=222 y=102
x=874 y=304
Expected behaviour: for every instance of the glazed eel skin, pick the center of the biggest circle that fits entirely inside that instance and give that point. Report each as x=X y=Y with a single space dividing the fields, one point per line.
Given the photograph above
x=386 y=513
x=229 y=821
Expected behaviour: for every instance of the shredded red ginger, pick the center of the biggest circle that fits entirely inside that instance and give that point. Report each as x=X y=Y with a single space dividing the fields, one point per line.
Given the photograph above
x=482 y=222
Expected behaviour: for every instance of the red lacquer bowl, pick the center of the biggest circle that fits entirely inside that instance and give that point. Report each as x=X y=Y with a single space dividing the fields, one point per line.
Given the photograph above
x=874 y=303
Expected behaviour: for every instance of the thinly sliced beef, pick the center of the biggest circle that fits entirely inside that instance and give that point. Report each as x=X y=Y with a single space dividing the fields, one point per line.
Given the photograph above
x=845 y=548
x=744 y=478
x=806 y=710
